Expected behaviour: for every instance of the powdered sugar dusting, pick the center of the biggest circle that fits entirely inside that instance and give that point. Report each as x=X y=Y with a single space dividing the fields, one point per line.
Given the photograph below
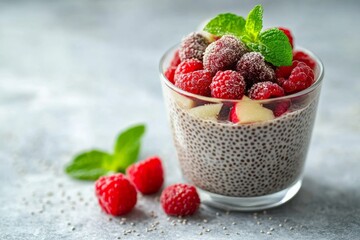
x=254 y=69
x=193 y=46
x=223 y=54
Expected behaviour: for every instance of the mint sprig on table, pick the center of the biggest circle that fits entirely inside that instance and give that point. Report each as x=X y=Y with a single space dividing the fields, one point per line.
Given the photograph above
x=272 y=43
x=93 y=164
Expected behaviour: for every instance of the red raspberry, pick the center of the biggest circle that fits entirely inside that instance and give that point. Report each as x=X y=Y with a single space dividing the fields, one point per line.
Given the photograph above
x=193 y=46
x=223 y=54
x=147 y=175
x=265 y=90
x=305 y=58
x=170 y=73
x=187 y=66
x=115 y=193
x=233 y=116
x=281 y=108
x=197 y=82
x=288 y=34
x=228 y=85
x=285 y=71
x=301 y=77
x=176 y=59
x=180 y=200
x=253 y=68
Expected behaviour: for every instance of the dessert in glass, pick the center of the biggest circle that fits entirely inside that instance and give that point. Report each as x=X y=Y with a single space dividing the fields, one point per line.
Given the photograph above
x=241 y=121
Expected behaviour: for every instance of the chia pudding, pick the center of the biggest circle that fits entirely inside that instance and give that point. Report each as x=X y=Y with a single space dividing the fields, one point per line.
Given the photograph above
x=241 y=103
x=241 y=160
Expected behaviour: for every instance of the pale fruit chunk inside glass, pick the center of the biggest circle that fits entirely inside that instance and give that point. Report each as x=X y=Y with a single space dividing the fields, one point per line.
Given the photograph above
x=249 y=111
x=206 y=112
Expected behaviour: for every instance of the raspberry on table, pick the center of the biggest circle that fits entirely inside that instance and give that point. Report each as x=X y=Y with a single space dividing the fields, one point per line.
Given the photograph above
x=288 y=34
x=180 y=200
x=223 y=54
x=265 y=90
x=193 y=46
x=301 y=77
x=147 y=175
x=254 y=69
x=227 y=85
x=197 y=82
x=305 y=58
x=170 y=74
x=116 y=195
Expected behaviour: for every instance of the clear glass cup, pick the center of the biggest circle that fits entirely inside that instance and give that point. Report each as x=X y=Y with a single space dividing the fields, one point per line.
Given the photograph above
x=248 y=166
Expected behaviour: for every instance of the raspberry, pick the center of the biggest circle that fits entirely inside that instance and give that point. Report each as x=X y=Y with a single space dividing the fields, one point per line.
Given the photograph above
x=193 y=46
x=285 y=71
x=265 y=90
x=176 y=59
x=147 y=175
x=301 y=77
x=253 y=68
x=115 y=193
x=288 y=34
x=228 y=85
x=281 y=108
x=180 y=200
x=197 y=82
x=187 y=66
x=223 y=54
x=233 y=116
x=305 y=58
x=170 y=73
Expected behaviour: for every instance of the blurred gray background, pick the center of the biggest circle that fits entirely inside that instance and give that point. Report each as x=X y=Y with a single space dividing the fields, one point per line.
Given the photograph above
x=74 y=73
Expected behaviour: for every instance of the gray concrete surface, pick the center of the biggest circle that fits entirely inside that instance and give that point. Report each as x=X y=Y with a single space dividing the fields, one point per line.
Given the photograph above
x=74 y=73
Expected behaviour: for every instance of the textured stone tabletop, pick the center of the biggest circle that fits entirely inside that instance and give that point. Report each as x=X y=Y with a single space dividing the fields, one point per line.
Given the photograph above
x=74 y=73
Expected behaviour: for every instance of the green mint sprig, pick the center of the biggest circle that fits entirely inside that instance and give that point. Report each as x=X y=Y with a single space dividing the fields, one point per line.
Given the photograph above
x=272 y=43
x=93 y=164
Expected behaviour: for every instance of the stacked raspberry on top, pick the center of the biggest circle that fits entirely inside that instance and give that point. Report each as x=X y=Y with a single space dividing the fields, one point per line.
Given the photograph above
x=224 y=67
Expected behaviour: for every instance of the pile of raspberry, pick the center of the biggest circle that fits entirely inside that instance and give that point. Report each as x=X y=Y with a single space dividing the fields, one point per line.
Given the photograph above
x=227 y=69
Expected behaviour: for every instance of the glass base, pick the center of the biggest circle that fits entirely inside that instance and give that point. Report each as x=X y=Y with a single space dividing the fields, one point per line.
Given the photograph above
x=250 y=203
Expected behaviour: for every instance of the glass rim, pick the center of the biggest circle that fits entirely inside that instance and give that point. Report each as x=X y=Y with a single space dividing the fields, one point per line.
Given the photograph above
x=315 y=85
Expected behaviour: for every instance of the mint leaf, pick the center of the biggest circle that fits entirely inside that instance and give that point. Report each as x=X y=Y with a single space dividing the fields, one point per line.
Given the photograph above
x=254 y=22
x=95 y=163
x=127 y=147
x=89 y=165
x=274 y=45
x=226 y=23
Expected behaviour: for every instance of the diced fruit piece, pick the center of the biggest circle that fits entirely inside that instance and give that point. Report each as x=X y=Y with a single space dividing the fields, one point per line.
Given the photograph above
x=206 y=112
x=223 y=54
x=170 y=73
x=147 y=175
x=249 y=111
x=183 y=101
x=116 y=195
x=301 y=77
x=289 y=35
x=265 y=90
x=253 y=68
x=197 y=82
x=180 y=200
x=305 y=58
x=228 y=85
x=193 y=46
